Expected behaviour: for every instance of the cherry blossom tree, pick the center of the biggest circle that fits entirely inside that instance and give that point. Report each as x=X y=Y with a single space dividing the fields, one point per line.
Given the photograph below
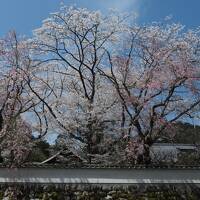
x=16 y=99
x=71 y=46
x=106 y=76
x=156 y=76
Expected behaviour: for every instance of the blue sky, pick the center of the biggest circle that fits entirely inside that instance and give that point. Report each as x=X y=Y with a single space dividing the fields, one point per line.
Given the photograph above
x=26 y=15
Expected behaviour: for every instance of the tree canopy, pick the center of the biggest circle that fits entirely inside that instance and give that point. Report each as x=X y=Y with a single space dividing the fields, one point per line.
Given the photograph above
x=109 y=88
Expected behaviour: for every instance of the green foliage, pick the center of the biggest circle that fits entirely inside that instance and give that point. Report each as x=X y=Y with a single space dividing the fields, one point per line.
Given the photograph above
x=187 y=133
x=40 y=152
x=186 y=158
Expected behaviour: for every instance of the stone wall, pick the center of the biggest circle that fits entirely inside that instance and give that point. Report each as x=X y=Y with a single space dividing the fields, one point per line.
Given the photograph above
x=88 y=192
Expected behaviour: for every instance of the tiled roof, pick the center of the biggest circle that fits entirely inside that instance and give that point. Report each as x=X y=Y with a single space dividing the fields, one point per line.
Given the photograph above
x=62 y=166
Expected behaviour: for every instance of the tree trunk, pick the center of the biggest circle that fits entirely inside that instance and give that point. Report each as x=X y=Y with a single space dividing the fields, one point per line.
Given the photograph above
x=146 y=156
x=148 y=142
